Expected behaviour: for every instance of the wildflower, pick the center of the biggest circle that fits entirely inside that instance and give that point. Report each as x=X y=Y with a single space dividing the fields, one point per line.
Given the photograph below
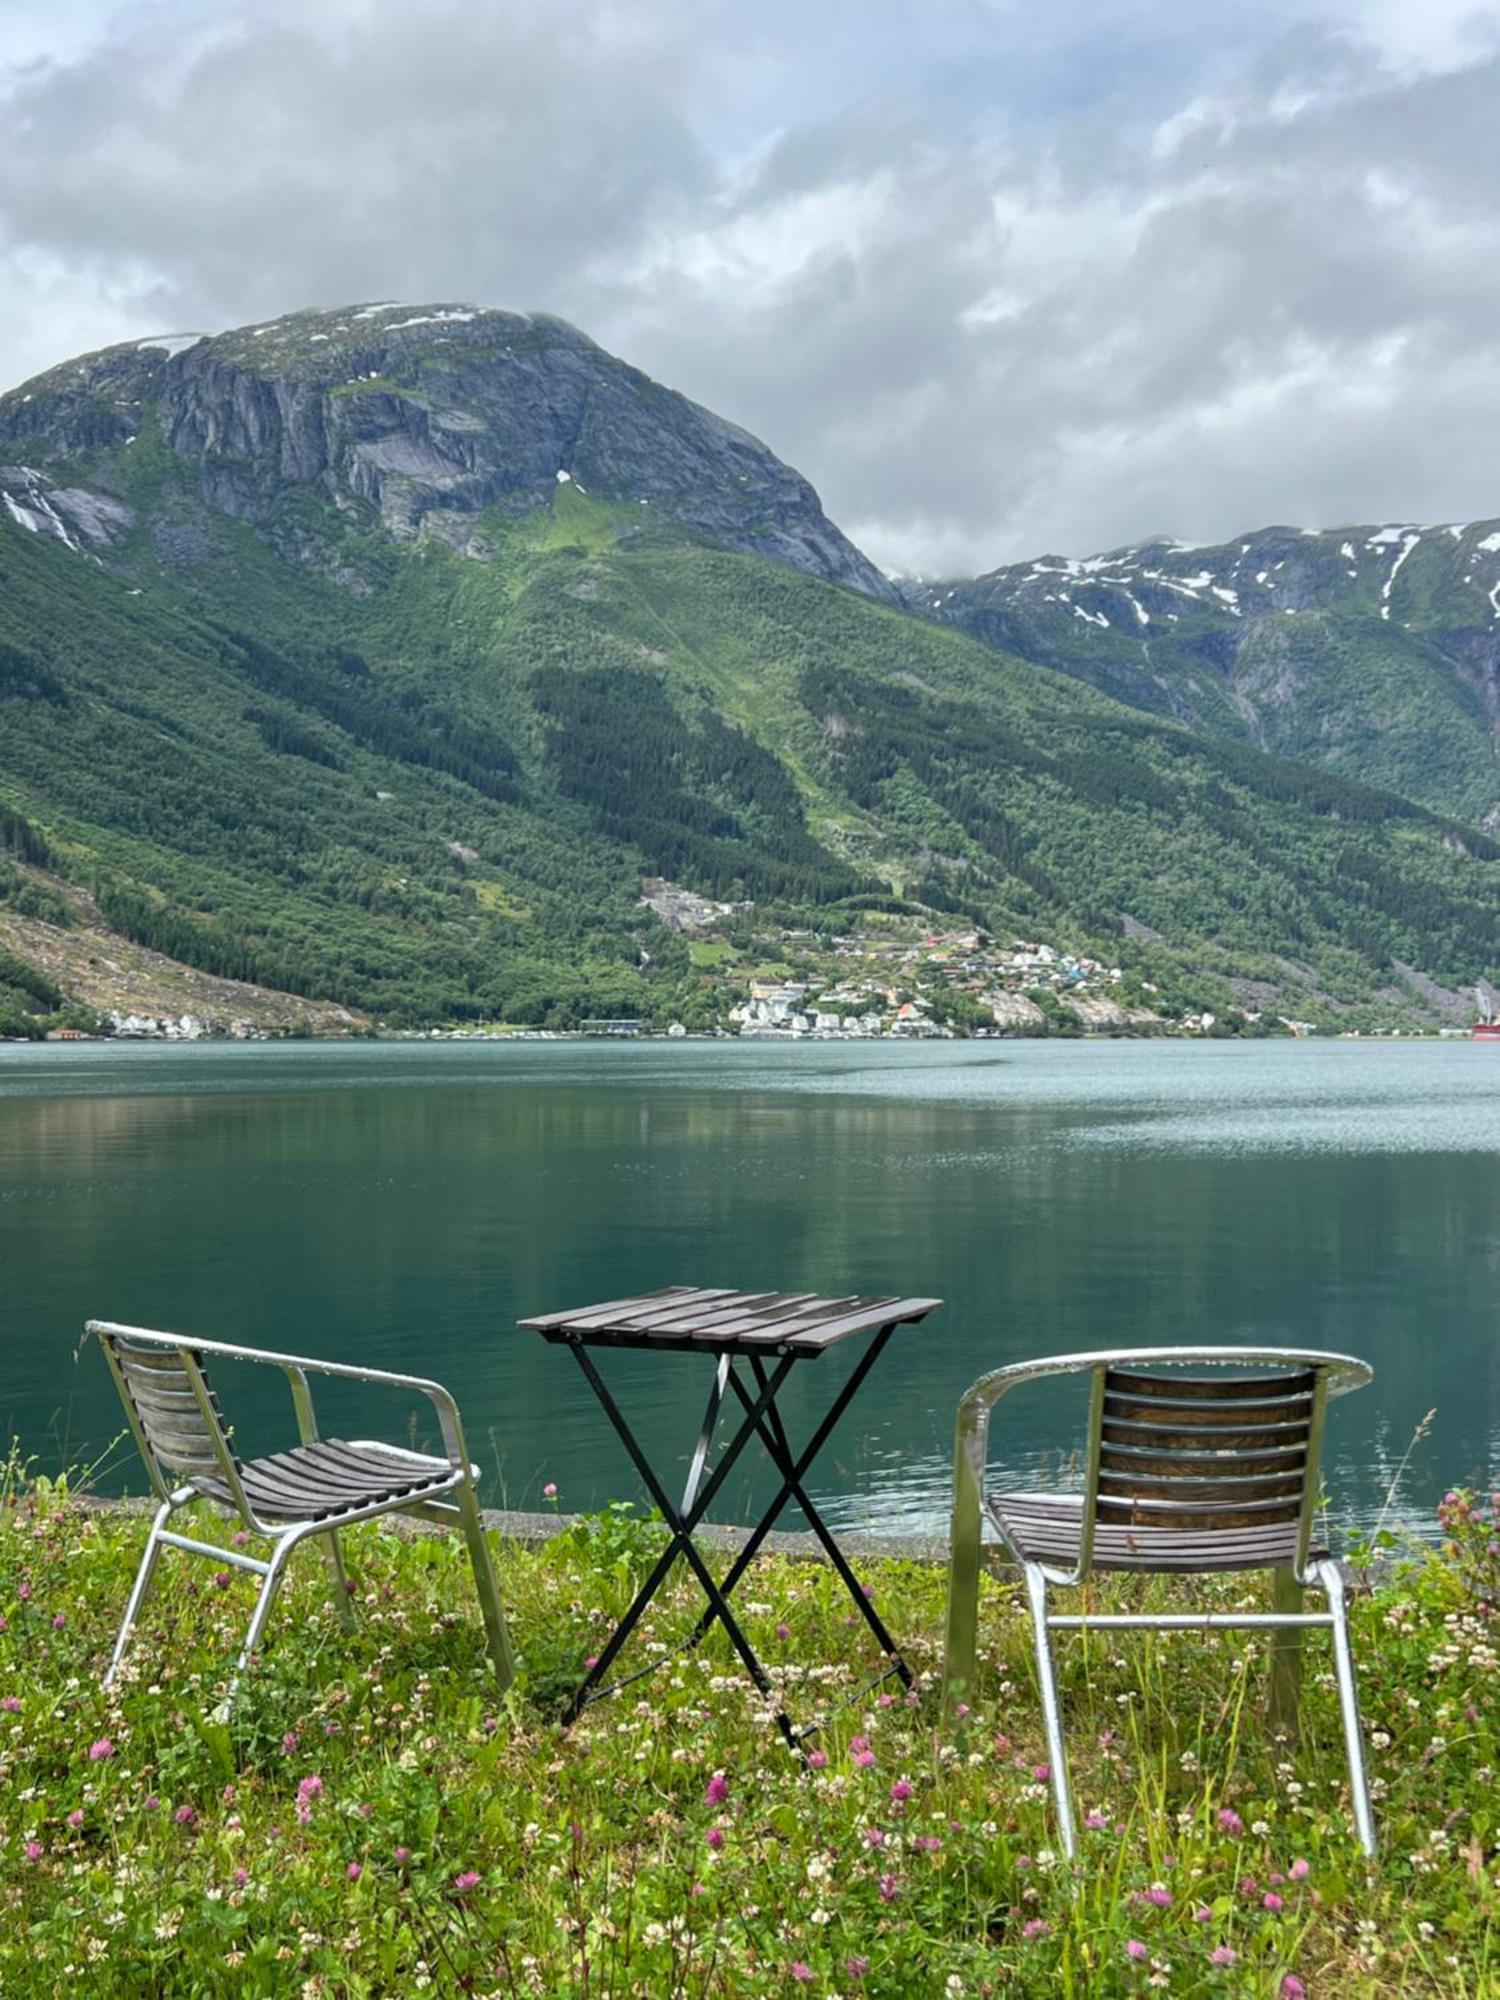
x=1096 y=1822
x=1230 y=1821
x=718 y=1789
x=856 y=1967
x=900 y=1791
x=818 y=1761
x=59 y=1619
x=222 y=1579
x=1223 y=1954
x=75 y=1818
x=100 y=1750
x=153 y=1803
x=1299 y=1871
x=240 y=1877
x=11 y=1704
x=470 y=1879
x=1041 y=1772
x=1159 y=1895
x=1272 y=1902
x=1292 y=1988
x=890 y=1888
x=289 y=1743
x=401 y=1856
x=185 y=1816
x=801 y=1972
x=860 y=1751
x=34 y=1850
x=1038 y=1927
x=1135 y=1949
x=354 y=1871
x=715 y=1837
x=875 y=1836
x=549 y=1491
x=310 y=1788
x=1203 y=1914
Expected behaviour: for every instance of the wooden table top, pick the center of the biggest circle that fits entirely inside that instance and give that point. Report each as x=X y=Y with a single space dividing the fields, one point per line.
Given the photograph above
x=699 y=1319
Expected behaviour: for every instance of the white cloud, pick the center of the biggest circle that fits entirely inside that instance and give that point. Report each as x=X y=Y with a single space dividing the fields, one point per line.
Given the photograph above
x=997 y=279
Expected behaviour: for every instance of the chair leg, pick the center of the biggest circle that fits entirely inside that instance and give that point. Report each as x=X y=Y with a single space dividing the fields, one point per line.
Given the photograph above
x=270 y=1584
x=1036 y=1592
x=338 y=1578
x=496 y=1630
x=1284 y=1696
x=1330 y=1577
x=139 y=1590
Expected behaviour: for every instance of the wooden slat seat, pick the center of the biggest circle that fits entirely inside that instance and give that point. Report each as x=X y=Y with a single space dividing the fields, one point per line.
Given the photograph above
x=1047 y=1528
x=315 y=1482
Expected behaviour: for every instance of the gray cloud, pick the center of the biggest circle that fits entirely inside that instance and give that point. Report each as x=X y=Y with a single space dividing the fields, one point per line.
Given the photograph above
x=1219 y=270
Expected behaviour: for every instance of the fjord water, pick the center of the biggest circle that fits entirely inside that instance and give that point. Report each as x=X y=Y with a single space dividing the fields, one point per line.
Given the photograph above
x=403 y=1204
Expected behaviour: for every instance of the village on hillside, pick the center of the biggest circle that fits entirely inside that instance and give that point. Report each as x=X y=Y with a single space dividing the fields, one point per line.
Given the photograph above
x=893 y=975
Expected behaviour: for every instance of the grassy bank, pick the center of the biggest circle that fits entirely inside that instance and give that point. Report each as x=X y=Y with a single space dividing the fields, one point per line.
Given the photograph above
x=376 y=1821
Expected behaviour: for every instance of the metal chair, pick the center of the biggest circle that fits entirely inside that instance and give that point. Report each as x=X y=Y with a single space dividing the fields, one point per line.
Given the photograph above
x=1186 y=1474
x=315 y=1489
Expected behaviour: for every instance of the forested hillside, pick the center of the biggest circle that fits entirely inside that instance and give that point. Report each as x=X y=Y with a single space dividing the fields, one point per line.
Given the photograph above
x=1371 y=651
x=414 y=746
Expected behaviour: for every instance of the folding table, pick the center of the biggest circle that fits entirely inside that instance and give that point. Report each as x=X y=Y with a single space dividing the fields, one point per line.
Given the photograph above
x=755 y=1340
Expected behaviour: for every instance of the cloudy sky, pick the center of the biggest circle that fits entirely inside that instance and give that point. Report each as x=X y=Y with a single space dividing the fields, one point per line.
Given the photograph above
x=999 y=277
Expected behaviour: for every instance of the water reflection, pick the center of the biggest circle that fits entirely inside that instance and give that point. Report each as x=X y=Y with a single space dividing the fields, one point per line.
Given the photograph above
x=404 y=1205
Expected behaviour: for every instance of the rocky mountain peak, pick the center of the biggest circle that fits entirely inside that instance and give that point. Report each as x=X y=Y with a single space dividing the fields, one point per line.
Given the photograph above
x=426 y=415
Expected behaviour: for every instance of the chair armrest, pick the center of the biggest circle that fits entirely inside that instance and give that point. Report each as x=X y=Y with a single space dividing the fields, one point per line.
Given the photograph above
x=297 y=1367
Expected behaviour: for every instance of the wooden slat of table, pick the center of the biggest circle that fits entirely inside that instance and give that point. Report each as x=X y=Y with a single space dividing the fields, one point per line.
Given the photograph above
x=694 y=1316
x=545 y=1322
x=693 y=1319
x=810 y=1310
x=644 y=1315
x=884 y=1312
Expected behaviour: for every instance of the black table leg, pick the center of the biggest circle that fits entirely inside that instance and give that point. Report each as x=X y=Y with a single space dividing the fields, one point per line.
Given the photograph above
x=778 y=1450
x=793 y=1475
x=682 y=1525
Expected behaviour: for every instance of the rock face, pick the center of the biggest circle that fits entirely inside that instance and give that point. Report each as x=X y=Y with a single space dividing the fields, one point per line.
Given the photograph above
x=425 y=415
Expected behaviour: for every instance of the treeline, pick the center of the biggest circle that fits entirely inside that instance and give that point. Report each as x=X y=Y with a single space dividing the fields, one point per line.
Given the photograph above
x=336 y=683
x=24 y=678
x=707 y=805
x=194 y=941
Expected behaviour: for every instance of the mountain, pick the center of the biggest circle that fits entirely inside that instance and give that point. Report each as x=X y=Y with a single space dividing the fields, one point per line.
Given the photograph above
x=1371 y=651
x=425 y=416
x=379 y=657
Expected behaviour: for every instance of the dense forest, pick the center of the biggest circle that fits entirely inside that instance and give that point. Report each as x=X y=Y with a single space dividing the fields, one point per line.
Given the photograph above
x=427 y=777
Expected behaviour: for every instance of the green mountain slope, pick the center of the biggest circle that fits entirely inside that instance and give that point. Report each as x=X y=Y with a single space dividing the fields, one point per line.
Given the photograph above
x=417 y=755
x=1373 y=651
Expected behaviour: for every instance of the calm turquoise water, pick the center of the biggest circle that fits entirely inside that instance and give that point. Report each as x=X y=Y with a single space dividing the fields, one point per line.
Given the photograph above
x=404 y=1204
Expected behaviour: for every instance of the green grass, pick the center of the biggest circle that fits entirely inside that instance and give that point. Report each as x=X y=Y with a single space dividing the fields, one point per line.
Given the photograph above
x=377 y=1821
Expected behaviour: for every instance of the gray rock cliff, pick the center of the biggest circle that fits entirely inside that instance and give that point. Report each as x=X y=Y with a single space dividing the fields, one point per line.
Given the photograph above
x=427 y=414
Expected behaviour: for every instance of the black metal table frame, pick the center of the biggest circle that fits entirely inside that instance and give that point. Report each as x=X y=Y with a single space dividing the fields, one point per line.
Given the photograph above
x=761 y=1419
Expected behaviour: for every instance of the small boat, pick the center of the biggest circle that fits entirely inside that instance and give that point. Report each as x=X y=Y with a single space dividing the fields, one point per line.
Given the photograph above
x=1487 y=1027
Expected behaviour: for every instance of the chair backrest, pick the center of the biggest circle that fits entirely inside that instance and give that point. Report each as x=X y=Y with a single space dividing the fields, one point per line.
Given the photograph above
x=174 y=1413
x=1208 y=1453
